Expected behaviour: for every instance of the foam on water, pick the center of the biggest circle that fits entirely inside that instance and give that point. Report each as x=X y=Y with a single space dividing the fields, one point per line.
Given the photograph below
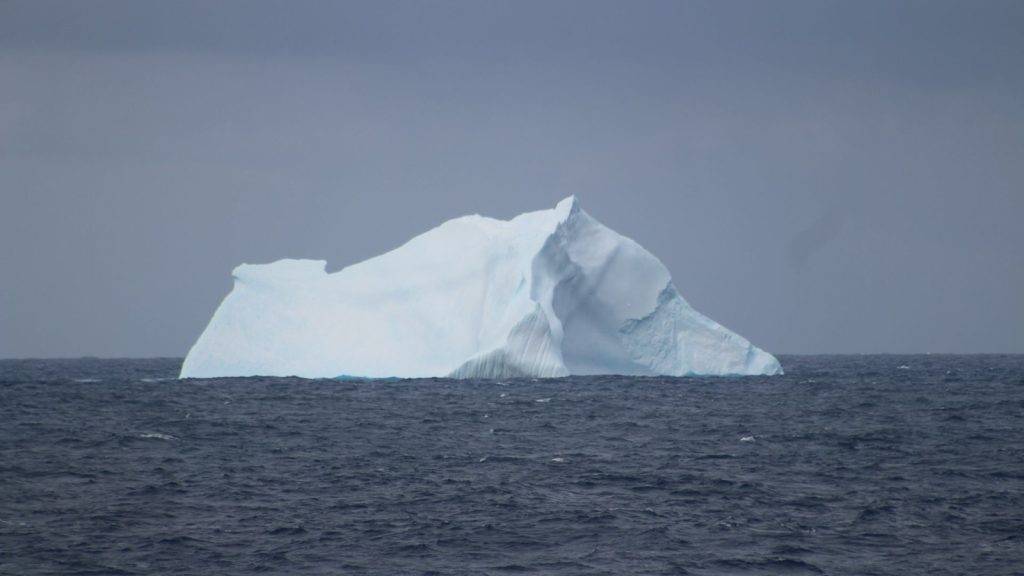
x=157 y=435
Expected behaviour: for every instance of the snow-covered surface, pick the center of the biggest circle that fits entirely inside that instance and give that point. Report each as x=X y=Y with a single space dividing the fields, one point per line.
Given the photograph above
x=546 y=294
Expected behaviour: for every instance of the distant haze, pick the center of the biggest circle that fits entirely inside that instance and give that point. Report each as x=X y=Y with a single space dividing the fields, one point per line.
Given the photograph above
x=818 y=176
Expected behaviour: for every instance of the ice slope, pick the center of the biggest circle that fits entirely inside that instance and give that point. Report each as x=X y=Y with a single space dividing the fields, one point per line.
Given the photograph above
x=548 y=293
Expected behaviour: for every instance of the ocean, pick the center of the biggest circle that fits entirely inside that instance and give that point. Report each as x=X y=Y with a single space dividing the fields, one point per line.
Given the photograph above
x=856 y=465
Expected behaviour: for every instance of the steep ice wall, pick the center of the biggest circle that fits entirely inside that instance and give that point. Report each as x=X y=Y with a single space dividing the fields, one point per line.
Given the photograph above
x=546 y=294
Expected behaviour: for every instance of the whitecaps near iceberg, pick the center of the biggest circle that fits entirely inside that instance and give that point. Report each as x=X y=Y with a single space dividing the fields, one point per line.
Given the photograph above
x=546 y=294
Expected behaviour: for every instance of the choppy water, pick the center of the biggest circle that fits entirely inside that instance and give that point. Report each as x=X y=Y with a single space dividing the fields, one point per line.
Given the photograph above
x=846 y=465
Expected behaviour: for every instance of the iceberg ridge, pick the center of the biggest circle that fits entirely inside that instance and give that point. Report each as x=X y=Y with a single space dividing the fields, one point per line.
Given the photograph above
x=545 y=294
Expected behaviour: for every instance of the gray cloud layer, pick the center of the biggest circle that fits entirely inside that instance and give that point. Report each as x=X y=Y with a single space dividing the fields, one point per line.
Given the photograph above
x=819 y=176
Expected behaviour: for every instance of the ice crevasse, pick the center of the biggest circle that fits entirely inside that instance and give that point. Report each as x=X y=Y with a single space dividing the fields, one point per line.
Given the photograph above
x=546 y=294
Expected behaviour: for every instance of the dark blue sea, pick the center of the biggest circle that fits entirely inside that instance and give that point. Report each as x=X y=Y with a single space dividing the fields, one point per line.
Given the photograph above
x=854 y=465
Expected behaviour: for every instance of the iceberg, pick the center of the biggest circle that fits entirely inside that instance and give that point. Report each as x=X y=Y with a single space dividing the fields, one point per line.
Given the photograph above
x=546 y=294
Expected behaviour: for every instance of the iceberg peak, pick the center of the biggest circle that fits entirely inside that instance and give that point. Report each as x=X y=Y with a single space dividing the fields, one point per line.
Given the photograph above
x=567 y=207
x=545 y=294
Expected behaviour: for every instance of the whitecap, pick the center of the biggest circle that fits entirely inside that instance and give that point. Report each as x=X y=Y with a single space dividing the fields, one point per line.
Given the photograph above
x=542 y=400
x=747 y=439
x=158 y=436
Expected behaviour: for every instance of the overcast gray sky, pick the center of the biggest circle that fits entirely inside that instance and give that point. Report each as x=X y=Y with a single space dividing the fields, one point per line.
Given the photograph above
x=818 y=176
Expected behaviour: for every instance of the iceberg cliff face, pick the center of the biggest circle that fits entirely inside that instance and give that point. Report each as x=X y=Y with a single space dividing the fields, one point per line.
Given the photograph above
x=546 y=294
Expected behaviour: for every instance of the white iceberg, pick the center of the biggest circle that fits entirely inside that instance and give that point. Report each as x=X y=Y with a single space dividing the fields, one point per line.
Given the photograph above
x=546 y=294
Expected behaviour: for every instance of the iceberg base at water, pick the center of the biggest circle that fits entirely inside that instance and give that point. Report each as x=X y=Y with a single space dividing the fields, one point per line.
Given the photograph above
x=546 y=294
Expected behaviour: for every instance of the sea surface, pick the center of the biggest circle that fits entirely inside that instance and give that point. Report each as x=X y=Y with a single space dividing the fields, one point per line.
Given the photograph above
x=846 y=465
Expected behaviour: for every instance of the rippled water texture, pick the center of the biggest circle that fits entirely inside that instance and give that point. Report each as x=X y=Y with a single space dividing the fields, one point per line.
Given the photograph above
x=846 y=465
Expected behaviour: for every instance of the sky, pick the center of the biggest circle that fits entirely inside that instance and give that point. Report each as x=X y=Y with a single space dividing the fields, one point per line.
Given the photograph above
x=821 y=177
